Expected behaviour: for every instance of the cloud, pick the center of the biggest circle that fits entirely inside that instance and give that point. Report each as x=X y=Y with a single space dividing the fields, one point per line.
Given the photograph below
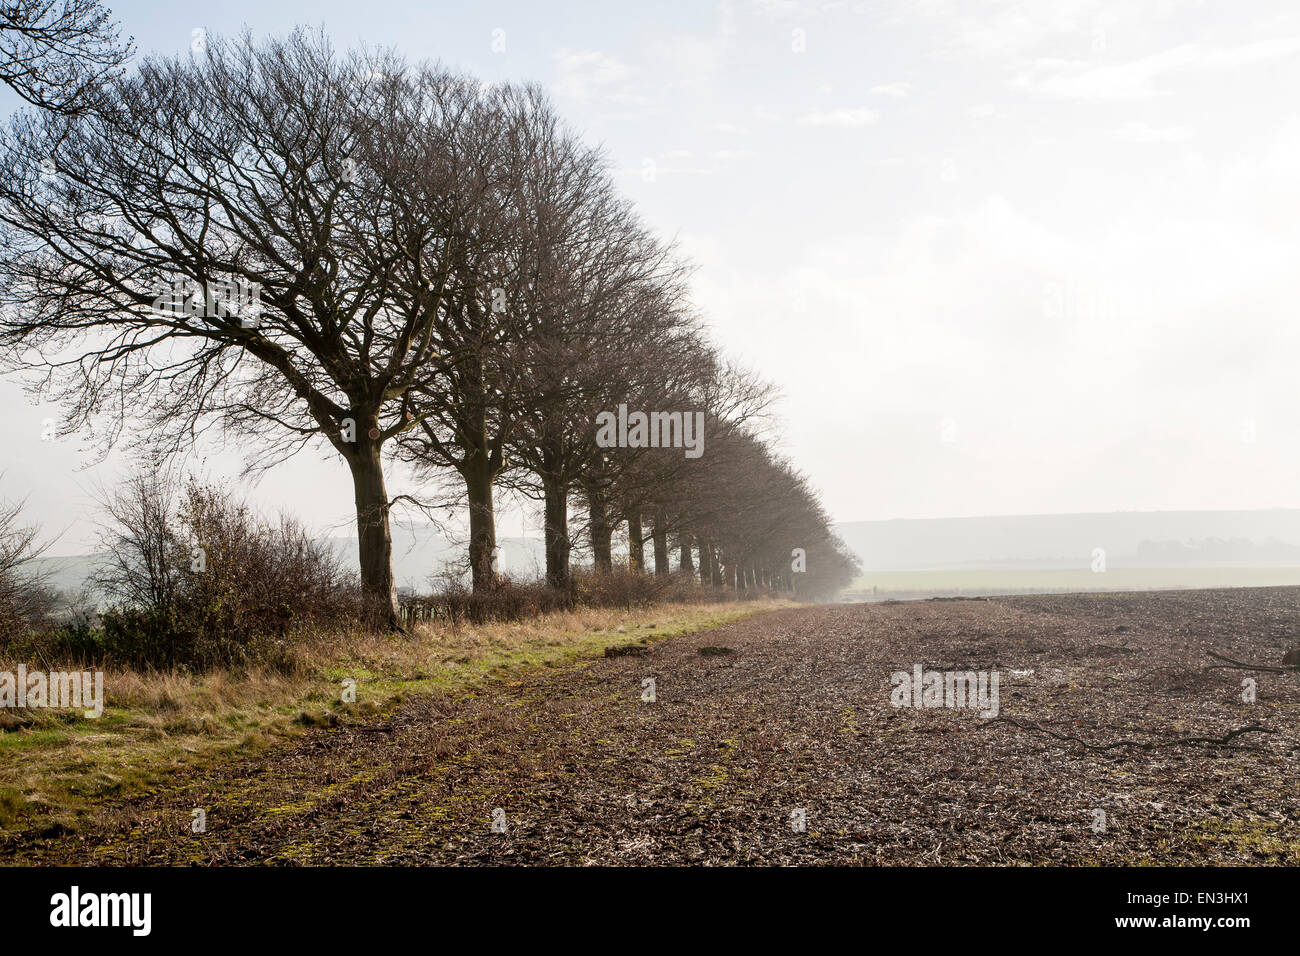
x=584 y=74
x=842 y=117
x=1138 y=79
x=1121 y=81
x=785 y=9
x=1000 y=28
x=899 y=90
x=688 y=62
x=1255 y=52
x=1139 y=132
x=726 y=18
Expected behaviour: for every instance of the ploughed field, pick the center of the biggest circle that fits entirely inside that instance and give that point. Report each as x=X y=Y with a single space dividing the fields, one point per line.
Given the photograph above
x=1118 y=739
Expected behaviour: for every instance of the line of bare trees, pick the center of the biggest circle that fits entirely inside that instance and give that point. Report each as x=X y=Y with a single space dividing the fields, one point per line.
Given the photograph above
x=300 y=246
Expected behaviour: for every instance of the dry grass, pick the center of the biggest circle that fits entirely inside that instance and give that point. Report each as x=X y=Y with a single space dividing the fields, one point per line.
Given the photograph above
x=56 y=766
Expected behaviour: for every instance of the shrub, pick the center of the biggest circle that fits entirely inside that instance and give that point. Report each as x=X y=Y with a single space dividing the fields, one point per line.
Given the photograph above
x=201 y=580
x=452 y=600
x=619 y=588
x=510 y=600
x=26 y=602
x=623 y=588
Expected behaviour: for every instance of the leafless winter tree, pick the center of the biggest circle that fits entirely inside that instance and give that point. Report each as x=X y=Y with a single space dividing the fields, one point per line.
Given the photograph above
x=56 y=54
x=341 y=191
x=25 y=595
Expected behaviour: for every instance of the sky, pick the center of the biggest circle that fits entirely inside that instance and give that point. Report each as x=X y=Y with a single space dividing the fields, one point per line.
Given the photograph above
x=1000 y=258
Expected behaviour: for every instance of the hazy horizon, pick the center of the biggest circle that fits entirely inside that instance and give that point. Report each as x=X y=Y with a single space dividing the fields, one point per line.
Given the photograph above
x=1014 y=261
x=1182 y=543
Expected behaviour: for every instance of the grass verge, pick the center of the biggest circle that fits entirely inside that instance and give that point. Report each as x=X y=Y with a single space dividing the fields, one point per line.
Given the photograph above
x=56 y=767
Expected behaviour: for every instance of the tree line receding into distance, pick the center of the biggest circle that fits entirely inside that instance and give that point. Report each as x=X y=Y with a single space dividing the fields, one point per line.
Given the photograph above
x=295 y=247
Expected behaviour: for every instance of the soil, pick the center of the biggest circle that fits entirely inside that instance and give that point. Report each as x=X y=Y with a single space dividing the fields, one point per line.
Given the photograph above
x=1118 y=740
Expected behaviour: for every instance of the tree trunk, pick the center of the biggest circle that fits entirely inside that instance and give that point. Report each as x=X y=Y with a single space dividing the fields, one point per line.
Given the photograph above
x=482 y=523
x=602 y=552
x=374 y=539
x=660 y=538
x=708 y=566
x=635 y=543
x=557 y=533
x=684 y=543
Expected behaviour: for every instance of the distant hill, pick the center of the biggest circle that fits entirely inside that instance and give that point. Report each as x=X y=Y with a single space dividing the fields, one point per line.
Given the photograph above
x=1259 y=539
x=1131 y=539
x=417 y=556
x=420 y=554
x=67 y=574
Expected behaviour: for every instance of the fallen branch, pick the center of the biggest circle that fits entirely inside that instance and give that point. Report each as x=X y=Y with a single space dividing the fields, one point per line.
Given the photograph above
x=1285 y=669
x=1224 y=741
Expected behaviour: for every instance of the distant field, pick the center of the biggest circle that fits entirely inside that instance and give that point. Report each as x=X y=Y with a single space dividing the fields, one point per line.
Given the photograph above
x=893 y=584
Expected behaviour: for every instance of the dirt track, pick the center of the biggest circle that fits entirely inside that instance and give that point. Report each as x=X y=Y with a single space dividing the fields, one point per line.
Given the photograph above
x=797 y=717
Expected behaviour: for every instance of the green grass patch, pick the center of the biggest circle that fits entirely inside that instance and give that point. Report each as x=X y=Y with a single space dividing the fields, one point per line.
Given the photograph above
x=159 y=731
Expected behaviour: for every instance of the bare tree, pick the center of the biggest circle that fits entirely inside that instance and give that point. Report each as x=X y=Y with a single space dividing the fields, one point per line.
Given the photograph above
x=25 y=596
x=56 y=54
x=472 y=410
x=632 y=485
x=614 y=325
x=141 y=554
x=758 y=523
x=344 y=192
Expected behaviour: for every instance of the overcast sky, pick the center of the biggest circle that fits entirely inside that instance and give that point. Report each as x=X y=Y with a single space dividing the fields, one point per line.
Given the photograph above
x=1040 y=258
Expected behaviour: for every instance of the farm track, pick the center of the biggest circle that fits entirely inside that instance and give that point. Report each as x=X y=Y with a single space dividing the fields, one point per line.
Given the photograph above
x=797 y=716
